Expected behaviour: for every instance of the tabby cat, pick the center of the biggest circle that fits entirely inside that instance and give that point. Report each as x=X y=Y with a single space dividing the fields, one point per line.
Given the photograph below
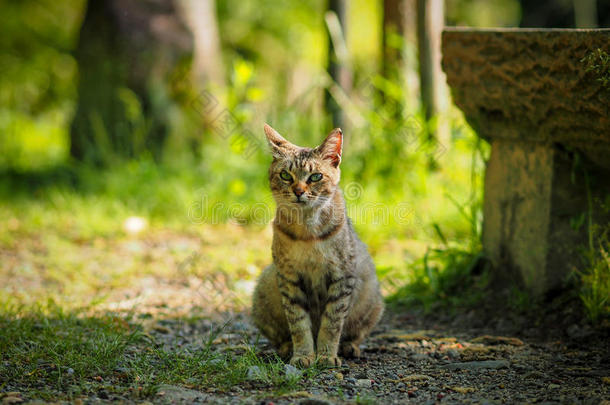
x=320 y=297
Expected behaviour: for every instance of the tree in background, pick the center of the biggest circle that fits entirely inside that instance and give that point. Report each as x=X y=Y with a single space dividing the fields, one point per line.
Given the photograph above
x=201 y=18
x=336 y=67
x=126 y=52
x=393 y=40
x=37 y=38
x=565 y=14
x=393 y=30
x=430 y=23
x=585 y=13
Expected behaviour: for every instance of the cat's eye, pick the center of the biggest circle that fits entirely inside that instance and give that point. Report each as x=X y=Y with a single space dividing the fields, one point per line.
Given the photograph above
x=315 y=177
x=285 y=175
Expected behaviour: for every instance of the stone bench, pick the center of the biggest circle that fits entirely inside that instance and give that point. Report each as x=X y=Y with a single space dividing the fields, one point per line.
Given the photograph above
x=528 y=92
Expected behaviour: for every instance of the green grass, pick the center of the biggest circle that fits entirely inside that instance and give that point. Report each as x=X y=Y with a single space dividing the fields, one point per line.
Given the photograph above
x=50 y=354
x=451 y=277
x=598 y=62
x=56 y=217
x=66 y=243
x=206 y=367
x=594 y=279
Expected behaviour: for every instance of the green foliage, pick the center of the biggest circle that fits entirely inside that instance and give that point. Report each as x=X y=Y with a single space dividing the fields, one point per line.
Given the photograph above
x=52 y=354
x=449 y=278
x=594 y=277
x=47 y=351
x=37 y=85
x=483 y=13
x=598 y=62
x=453 y=275
x=207 y=367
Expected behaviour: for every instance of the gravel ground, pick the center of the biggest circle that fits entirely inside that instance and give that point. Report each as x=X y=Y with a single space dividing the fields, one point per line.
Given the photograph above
x=415 y=359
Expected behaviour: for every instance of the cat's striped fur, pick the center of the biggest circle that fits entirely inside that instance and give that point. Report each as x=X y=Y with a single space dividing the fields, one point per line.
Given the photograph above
x=320 y=297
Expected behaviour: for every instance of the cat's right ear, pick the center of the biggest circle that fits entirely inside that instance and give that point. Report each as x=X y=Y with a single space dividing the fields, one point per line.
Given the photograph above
x=277 y=143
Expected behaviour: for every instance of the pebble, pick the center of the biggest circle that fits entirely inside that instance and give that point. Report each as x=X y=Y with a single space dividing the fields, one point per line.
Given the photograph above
x=292 y=372
x=554 y=386
x=314 y=401
x=419 y=357
x=579 y=332
x=216 y=362
x=522 y=367
x=475 y=365
x=535 y=375
x=339 y=376
x=256 y=374
x=70 y=371
x=239 y=326
x=364 y=383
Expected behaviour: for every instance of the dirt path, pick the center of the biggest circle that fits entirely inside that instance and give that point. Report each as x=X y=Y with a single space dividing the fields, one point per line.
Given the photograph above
x=416 y=360
x=176 y=283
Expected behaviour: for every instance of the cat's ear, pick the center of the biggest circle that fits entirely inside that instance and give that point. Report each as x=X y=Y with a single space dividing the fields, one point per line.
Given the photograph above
x=279 y=146
x=332 y=147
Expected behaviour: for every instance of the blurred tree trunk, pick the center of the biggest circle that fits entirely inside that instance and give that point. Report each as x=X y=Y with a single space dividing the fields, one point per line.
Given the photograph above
x=565 y=14
x=336 y=68
x=126 y=51
x=430 y=23
x=547 y=13
x=411 y=61
x=393 y=31
x=585 y=13
x=393 y=38
x=201 y=17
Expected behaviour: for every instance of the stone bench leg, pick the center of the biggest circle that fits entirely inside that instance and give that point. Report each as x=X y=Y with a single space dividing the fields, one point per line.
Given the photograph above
x=535 y=204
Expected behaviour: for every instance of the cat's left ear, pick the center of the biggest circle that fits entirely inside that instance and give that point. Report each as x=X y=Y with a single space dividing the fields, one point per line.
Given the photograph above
x=332 y=147
x=277 y=143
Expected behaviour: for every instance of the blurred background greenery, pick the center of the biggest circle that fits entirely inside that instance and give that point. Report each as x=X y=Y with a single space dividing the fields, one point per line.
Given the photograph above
x=153 y=110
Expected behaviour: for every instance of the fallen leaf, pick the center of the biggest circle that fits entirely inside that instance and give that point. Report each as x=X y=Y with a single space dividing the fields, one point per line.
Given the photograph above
x=462 y=390
x=297 y=394
x=498 y=340
x=397 y=335
x=414 y=377
x=161 y=329
x=236 y=348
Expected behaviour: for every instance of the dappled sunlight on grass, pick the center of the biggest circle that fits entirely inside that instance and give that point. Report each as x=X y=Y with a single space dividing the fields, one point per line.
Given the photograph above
x=201 y=242
x=210 y=269
x=158 y=268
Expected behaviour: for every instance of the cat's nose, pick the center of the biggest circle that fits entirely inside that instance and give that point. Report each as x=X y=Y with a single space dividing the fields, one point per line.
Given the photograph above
x=298 y=191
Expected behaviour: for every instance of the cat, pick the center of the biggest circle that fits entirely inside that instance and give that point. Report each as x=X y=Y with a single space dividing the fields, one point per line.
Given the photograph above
x=320 y=297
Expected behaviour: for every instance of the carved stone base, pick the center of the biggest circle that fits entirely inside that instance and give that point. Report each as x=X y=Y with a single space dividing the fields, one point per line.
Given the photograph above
x=536 y=212
x=531 y=95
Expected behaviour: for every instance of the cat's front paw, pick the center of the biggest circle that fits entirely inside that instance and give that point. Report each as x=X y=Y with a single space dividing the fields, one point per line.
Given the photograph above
x=349 y=350
x=300 y=360
x=329 y=361
x=285 y=350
